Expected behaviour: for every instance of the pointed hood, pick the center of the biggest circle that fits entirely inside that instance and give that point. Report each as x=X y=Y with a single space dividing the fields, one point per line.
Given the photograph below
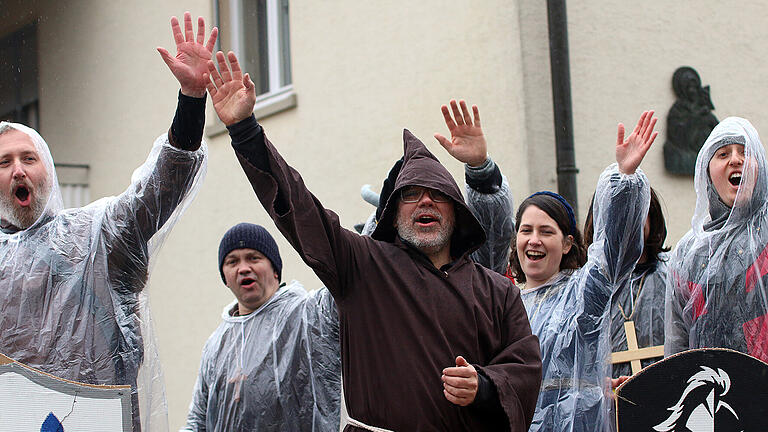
x=421 y=168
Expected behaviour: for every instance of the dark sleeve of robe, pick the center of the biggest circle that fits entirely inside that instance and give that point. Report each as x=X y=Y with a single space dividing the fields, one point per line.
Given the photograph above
x=515 y=367
x=323 y=243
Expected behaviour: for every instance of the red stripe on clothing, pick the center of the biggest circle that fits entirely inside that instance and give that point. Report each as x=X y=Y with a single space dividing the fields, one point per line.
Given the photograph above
x=756 y=335
x=757 y=270
x=508 y=274
x=697 y=298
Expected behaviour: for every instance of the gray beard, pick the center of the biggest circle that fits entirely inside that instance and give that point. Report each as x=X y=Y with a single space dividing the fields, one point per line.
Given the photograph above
x=19 y=217
x=427 y=241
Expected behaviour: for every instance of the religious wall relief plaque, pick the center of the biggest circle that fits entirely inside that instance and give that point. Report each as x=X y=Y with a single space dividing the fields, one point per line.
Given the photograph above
x=689 y=123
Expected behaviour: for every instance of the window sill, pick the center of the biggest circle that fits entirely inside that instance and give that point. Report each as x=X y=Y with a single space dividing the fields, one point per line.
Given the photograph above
x=266 y=105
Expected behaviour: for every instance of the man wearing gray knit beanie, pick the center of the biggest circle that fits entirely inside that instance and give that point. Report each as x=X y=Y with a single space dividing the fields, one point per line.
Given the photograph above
x=274 y=361
x=250 y=266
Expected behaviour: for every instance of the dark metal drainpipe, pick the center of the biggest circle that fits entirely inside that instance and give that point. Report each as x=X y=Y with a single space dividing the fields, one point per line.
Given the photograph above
x=561 y=102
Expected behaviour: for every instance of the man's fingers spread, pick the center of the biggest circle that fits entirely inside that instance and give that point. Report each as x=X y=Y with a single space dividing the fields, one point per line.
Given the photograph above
x=214 y=74
x=188 y=33
x=212 y=39
x=447 y=116
x=456 y=113
x=167 y=58
x=620 y=135
x=465 y=112
x=247 y=82
x=200 y=30
x=236 y=72
x=650 y=128
x=476 y=113
x=209 y=85
x=639 y=124
x=178 y=37
x=653 y=138
x=443 y=141
x=223 y=66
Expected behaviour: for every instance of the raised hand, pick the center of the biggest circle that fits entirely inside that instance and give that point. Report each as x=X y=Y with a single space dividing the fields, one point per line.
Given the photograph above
x=192 y=57
x=467 y=143
x=630 y=152
x=233 y=93
x=460 y=383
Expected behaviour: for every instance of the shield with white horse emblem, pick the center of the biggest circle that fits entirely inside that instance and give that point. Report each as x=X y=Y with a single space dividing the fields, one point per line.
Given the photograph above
x=701 y=390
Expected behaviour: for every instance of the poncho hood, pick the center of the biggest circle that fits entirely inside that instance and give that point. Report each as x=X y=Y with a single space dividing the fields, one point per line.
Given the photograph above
x=421 y=168
x=54 y=203
x=711 y=213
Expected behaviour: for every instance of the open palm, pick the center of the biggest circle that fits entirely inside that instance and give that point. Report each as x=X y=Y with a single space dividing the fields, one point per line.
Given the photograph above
x=631 y=151
x=233 y=94
x=467 y=143
x=192 y=57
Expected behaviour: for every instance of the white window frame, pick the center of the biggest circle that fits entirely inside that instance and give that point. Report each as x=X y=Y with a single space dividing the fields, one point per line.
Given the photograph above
x=277 y=98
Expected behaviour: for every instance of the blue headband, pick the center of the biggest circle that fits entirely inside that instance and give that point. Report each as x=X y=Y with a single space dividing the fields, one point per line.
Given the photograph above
x=568 y=208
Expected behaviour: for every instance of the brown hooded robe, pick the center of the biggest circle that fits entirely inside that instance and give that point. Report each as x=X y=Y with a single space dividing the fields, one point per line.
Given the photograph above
x=402 y=321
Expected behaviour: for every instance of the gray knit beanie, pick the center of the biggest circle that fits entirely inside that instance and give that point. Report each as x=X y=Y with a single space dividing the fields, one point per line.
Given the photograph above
x=250 y=236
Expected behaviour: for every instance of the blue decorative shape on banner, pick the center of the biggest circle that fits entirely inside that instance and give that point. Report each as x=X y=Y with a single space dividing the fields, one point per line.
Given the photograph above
x=51 y=424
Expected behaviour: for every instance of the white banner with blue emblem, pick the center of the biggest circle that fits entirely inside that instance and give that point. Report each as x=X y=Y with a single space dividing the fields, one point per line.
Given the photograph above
x=31 y=400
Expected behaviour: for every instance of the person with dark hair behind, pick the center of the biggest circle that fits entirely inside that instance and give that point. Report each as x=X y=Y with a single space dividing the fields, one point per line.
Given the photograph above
x=640 y=300
x=566 y=295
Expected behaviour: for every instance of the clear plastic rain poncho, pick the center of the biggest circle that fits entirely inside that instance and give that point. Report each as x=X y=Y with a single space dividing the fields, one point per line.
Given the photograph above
x=717 y=295
x=72 y=286
x=569 y=314
x=275 y=369
x=495 y=212
x=640 y=300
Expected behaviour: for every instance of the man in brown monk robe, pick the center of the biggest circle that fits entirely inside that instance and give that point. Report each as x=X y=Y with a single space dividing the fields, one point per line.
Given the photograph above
x=430 y=340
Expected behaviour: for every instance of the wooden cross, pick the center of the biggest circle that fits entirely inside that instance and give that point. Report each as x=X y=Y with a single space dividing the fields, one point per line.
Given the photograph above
x=237 y=380
x=633 y=354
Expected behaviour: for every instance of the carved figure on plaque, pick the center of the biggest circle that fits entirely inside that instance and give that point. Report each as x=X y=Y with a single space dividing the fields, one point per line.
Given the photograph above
x=689 y=123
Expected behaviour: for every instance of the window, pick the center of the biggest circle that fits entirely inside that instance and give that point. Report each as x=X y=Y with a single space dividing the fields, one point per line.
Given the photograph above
x=18 y=77
x=257 y=31
x=73 y=182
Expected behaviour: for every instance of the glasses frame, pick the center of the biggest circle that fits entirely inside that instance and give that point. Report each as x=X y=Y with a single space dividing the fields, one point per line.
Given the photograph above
x=434 y=195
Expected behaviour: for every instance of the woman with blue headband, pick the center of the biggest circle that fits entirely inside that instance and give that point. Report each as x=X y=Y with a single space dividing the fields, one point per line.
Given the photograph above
x=566 y=294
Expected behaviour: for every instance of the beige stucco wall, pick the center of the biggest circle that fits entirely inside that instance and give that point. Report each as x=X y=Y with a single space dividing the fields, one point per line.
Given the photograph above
x=362 y=71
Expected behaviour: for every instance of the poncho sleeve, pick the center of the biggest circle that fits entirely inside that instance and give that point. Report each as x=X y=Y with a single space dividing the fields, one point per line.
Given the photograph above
x=322 y=324
x=620 y=209
x=136 y=222
x=490 y=200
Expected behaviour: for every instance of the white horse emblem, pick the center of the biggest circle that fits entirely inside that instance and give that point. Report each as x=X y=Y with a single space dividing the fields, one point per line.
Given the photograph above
x=701 y=403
